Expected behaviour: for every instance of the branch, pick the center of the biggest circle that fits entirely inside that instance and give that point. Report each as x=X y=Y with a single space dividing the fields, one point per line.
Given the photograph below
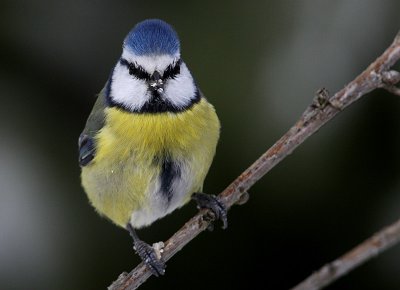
x=315 y=116
x=390 y=79
x=365 y=251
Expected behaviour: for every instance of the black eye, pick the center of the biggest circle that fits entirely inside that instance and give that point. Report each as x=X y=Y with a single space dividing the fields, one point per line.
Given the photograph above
x=138 y=71
x=172 y=70
x=135 y=70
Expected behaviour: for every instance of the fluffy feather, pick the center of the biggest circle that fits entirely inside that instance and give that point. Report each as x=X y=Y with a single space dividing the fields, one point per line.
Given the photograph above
x=151 y=148
x=123 y=181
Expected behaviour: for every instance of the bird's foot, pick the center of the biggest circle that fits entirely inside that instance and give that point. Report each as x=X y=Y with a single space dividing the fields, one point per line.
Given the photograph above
x=213 y=203
x=150 y=257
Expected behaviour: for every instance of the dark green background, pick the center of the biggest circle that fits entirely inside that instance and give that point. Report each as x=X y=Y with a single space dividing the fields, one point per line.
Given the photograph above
x=259 y=63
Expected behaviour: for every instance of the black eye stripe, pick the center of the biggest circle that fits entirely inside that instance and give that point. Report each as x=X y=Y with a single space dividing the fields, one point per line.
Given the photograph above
x=135 y=70
x=138 y=72
x=172 y=71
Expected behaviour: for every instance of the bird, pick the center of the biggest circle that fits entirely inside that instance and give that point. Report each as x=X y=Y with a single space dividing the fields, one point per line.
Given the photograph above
x=150 y=138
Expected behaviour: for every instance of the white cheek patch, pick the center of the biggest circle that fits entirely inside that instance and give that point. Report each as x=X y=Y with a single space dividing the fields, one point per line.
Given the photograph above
x=181 y=90
x=128 y=90
x=133 y=93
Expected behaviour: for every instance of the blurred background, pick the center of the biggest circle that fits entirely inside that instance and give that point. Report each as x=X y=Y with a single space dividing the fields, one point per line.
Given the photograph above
x=259 y=63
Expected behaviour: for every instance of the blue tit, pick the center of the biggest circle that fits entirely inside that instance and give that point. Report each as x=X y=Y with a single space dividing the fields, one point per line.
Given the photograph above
x=150 y=139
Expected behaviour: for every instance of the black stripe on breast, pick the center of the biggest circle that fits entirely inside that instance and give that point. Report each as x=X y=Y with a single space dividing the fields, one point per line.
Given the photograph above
x=170 y=171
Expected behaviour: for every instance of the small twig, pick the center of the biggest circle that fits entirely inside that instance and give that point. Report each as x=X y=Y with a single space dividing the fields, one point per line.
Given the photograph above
x=365 y=251
x=393 y=89
x=312 y=119
x=391 y=77
x=389 y=81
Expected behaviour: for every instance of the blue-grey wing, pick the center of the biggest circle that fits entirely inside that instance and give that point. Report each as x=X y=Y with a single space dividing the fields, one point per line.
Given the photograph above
x=95 y=121
x=86 y=149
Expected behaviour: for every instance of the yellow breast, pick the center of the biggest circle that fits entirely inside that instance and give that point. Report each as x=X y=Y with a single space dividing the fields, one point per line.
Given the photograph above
x=123 y=171
x=150 y=134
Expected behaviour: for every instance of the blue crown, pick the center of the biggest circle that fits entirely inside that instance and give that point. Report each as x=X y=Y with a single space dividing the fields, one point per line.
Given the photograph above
x=152 y=36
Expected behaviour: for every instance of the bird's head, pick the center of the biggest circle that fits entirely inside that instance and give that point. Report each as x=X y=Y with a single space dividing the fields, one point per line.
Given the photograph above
x=150 y=75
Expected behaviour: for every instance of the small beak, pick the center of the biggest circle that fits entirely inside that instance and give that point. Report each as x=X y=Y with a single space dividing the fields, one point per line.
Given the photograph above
x=156 y=83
